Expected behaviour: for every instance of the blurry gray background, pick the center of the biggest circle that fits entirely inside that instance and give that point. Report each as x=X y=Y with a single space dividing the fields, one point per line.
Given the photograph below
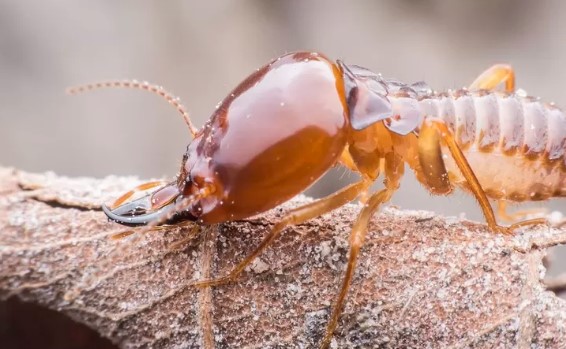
x=201 y=50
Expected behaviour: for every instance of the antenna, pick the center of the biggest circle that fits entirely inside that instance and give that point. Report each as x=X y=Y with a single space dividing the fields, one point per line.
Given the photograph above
x=134 y=84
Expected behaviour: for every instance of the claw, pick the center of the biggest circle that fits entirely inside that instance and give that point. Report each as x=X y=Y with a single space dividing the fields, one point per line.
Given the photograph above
x=137 y=212
x=151 y=207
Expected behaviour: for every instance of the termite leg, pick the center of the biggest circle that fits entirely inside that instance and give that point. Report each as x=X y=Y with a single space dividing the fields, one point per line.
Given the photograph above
x=393 y=174
x=293 y=217
x=527 y=222
x=189 y=237
x=151 y=229
x=493 y=76
x=475 y=186
x=516 y=216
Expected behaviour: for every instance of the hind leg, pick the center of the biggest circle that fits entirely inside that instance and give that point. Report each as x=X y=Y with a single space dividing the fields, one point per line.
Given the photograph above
x=431 y=157
x=432 y=133
x=493 y=76
x=517 y=216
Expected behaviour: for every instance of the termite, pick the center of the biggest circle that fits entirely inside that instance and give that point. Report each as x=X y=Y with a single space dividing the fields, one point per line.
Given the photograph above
x=290 y=121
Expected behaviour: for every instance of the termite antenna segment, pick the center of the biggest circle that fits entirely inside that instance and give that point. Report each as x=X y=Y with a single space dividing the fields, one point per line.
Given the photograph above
x=134 y=84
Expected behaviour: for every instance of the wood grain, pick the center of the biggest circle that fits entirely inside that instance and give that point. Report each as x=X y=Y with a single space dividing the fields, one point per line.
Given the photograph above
x=423 y=281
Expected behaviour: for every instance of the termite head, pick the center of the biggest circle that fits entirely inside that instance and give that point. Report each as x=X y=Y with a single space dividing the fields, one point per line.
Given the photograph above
x=372 y=99
x=183 y=198
x=189 y=197
x=145 y=204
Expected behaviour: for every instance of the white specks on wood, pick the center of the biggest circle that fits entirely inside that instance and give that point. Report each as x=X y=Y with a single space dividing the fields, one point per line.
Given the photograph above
x=423 y=280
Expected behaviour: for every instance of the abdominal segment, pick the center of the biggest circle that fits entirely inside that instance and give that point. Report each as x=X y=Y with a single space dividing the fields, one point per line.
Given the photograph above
x=516 y=145
x=510 y=177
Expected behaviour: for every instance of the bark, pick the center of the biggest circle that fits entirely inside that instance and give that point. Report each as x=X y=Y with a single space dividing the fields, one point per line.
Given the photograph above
x=423 y=281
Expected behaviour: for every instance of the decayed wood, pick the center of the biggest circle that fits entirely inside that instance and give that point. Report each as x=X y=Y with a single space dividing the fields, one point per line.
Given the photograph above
x=423 y=281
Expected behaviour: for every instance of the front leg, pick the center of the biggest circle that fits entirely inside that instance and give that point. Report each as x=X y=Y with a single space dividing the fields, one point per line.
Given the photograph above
x=295 y=216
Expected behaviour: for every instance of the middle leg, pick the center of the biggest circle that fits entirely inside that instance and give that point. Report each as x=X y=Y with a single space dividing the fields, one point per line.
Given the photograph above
x=518 y=215
x=393 y=173
x=294 y=217
x=429 y=143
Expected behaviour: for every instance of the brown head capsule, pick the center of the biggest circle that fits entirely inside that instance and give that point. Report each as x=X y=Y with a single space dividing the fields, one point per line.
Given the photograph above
x=279 y=131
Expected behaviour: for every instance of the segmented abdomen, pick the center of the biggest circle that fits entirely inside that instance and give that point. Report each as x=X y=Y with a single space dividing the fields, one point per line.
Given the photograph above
x=515 y=144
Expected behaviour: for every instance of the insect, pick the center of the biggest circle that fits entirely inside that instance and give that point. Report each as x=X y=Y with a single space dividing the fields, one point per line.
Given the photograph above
x=290 y=121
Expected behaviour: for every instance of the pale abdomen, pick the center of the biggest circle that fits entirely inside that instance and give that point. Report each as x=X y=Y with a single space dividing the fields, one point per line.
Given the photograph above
x=516 y=145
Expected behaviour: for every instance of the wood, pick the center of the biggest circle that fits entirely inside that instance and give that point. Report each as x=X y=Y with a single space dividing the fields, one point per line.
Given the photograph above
x=422 y=280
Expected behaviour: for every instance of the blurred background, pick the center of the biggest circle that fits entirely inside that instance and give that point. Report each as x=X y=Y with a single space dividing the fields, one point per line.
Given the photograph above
x=201 y=50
